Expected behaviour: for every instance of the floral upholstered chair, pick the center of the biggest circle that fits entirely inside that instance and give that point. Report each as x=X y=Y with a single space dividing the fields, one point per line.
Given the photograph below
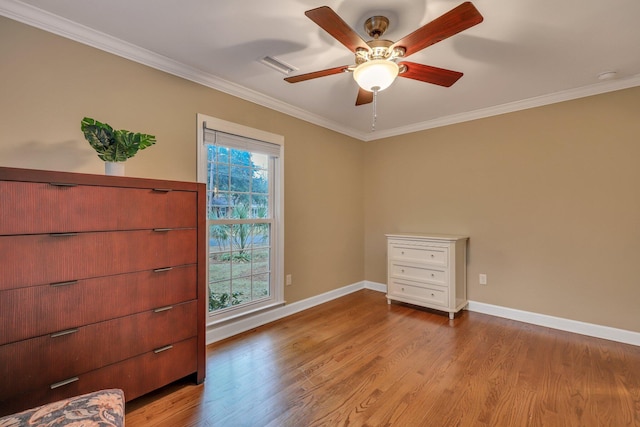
x=103 y=408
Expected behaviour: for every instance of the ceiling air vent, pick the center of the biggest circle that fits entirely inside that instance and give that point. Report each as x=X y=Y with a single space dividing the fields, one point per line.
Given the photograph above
x=278 y=65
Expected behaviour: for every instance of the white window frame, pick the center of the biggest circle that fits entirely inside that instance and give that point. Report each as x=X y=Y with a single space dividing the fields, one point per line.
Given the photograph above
x=216 y=124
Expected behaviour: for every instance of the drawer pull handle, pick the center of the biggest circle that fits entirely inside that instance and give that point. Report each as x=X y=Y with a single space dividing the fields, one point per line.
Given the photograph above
x=433 y=256
x=62 y=383
x=161 y=309
x=402 y=252
x=63 y=184
x=63 y=234
x=67 y=283
x=162 y=230
x=433 y=275
x=160 y=270
x=162 y=190
x=63 y=333
x=402 y=270
x=161 y=349
x=432 y=294
x=402 y=289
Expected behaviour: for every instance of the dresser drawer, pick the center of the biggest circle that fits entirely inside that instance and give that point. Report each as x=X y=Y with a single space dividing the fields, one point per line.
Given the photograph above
x=419 y=272
x=135 y=376
x=78 y=208
x=54 y=308
x=416 y=252
x=45 y=360
x=418 y=293
x=39 y=259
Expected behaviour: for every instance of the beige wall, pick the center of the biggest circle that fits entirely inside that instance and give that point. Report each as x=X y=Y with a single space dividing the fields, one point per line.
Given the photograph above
x=48 y=84
x=550 y=198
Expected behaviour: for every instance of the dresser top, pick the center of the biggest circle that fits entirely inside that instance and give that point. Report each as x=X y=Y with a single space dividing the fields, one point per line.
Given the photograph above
x=430 y=236
x=40 y=176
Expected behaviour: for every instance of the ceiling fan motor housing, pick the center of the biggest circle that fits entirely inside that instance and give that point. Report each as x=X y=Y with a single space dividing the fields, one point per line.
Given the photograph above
x=378 y=49
x=376 y=26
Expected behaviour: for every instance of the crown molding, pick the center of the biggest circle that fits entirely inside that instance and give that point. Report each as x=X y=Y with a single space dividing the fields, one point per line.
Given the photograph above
x=539 y=101
x=63 y=27
x=55 y=24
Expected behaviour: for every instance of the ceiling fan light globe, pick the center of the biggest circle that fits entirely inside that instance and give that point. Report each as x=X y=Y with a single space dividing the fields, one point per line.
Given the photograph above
x=378 y=73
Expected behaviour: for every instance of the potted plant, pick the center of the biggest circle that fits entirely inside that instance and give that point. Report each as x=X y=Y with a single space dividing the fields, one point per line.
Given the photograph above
x=114 y=146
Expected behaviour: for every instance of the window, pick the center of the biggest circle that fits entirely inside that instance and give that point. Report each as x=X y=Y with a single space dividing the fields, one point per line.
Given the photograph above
x=243 y=172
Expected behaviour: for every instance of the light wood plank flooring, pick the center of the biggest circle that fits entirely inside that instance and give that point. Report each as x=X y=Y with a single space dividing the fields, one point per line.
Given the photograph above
x=357 y=361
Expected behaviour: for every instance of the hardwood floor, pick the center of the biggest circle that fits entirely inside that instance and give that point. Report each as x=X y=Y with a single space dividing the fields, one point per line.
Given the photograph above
x=357 y=361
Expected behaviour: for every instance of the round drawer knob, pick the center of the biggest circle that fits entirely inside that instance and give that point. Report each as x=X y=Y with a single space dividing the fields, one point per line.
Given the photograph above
x=402 y=270
x=432 y=256
x=402 y=289
x=433 y=275
x=433 y=295
x=402 y=252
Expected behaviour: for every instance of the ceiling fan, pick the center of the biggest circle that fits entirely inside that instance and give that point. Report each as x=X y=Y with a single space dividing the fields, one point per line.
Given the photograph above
x=377 y=61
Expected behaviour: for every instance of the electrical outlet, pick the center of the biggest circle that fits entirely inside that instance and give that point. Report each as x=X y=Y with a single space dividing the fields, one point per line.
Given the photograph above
x=288 y=280
x=483 y=279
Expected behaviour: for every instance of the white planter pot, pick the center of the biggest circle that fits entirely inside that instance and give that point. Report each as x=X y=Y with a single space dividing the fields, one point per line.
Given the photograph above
x=114 y=168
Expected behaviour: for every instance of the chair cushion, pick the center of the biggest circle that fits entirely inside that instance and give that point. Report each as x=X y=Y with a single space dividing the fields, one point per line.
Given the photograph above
x=98 y=409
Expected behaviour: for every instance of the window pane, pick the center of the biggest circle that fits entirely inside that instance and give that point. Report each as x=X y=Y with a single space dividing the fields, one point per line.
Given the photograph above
x=260 y=235
x=220 y=296
x=240 y=179
x=242 y=289
x=241 y=237
x=260 y=161
x=219 y=267
x=260 y=260
x=240 y=203
x=219 y=253
x=218 y=204
x=221 y=176
x=219 y=238
x=260 y=181
x=260 y=285
x=223 y=154
x=264 y=235
x=259 y=206
x=240 y=264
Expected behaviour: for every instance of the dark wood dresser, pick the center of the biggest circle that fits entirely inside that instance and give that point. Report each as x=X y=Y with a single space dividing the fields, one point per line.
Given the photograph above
x=102 y=285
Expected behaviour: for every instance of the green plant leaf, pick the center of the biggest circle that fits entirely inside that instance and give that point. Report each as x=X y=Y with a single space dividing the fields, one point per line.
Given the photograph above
x=99 y=135
x=114 y=146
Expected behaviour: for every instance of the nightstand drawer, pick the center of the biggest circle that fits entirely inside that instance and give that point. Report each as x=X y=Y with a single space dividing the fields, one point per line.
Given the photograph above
x=417 y=272
x=419 y=253
x=410 y=292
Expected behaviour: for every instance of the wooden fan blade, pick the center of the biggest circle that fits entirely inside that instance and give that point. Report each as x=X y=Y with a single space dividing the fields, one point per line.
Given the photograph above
x=329 y=21
x=429 y=74
x=456 y=20
x=316 y=74
x=364 y=97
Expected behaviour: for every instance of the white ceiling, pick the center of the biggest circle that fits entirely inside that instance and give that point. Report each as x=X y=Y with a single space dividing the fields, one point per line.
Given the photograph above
x=525 y=53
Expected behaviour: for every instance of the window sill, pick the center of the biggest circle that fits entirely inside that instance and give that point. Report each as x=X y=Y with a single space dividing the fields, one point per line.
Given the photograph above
x=244 y=313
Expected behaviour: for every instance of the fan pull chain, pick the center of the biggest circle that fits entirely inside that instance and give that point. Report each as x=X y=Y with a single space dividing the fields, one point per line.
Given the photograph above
x=375 y=108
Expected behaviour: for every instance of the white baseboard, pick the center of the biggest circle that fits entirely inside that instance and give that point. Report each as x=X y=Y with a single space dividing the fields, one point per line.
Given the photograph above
x=234 y=327
x=219 y=332
x=582 y=328
x=374 y=286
